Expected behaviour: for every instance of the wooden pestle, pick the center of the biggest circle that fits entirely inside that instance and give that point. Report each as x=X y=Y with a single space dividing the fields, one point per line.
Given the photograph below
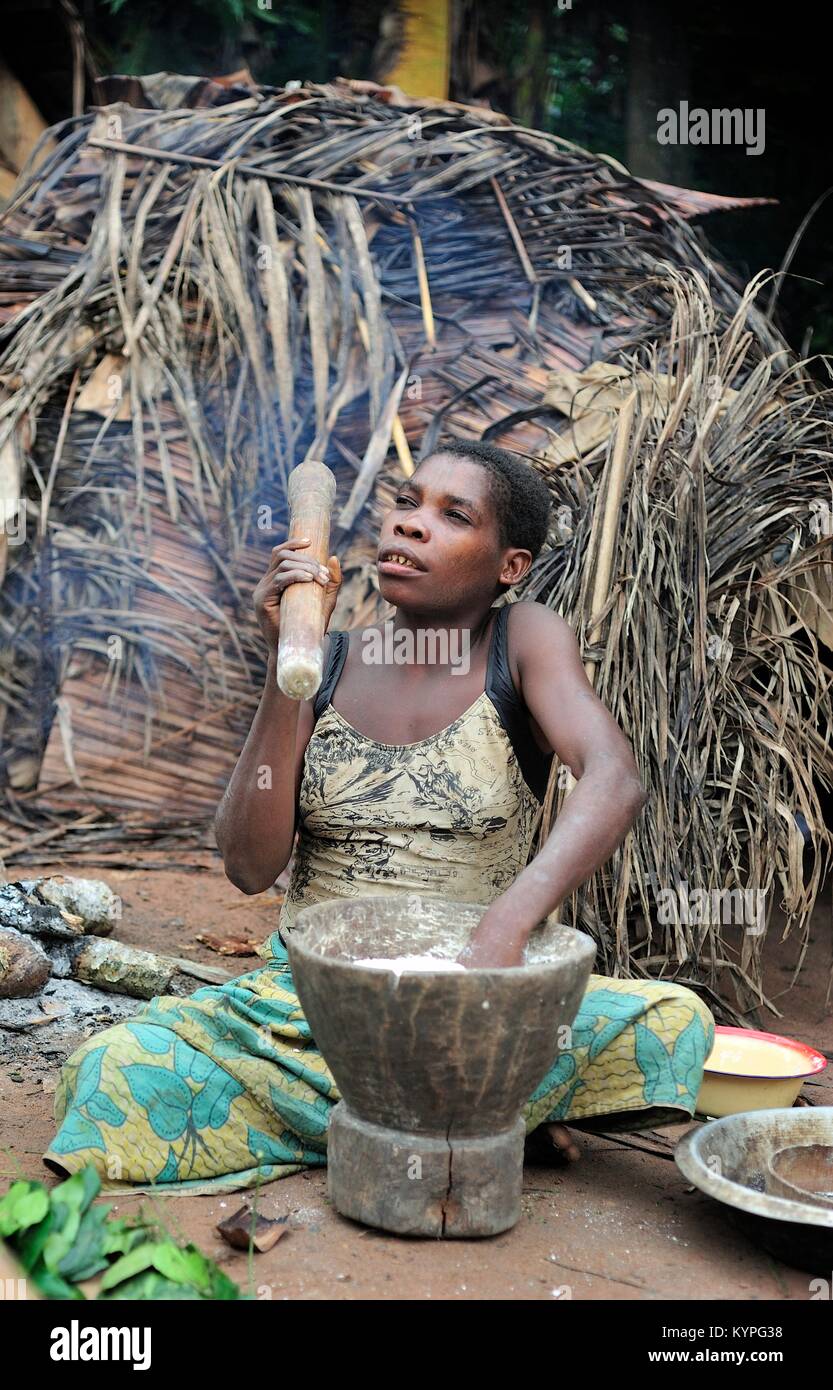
x=311 y=494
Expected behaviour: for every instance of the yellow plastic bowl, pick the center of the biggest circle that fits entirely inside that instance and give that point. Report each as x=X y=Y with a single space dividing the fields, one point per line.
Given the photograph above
x=746 y=1070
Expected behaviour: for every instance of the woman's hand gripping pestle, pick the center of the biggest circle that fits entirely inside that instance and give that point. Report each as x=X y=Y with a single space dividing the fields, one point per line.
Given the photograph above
x=289 y=566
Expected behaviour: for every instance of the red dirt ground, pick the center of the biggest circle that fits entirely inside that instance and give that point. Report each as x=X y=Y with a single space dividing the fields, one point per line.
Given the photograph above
x=619 y=1224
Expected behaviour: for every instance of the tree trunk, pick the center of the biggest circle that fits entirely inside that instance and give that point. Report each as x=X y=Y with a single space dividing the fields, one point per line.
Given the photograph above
x=658 y=76
x=533 y=89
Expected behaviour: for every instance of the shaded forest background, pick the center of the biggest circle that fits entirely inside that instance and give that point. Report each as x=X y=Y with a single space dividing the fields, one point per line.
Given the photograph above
x=594 y=71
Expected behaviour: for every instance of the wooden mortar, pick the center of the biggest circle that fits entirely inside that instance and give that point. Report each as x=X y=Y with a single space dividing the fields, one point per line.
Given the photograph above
x=433 y=1069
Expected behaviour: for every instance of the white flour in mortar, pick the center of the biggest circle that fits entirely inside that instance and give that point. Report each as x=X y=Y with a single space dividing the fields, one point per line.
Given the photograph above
x=400 y=964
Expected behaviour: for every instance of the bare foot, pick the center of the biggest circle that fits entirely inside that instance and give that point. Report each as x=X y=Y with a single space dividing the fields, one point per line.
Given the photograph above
x=552 y=1143
x=564 y=1141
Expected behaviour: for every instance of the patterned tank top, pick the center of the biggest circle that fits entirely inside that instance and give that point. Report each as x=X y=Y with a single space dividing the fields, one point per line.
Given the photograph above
x=452 y=815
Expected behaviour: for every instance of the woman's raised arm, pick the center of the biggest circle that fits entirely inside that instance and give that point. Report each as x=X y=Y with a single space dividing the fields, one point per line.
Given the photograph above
x=256 y=819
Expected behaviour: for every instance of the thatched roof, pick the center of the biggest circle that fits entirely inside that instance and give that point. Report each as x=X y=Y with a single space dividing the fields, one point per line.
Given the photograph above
x=197 y=297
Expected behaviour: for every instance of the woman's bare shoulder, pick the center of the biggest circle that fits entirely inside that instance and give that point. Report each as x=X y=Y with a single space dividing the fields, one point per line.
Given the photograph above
x=532 y=620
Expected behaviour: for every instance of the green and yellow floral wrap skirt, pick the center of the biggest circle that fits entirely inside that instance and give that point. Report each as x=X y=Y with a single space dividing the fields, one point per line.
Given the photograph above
x=226 y=1089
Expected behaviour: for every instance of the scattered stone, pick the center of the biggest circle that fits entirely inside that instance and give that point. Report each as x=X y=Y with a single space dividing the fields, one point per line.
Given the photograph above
x=91 y=899
x=26 y=912
x=121 y=969
x=60 y=907
x=24 y=965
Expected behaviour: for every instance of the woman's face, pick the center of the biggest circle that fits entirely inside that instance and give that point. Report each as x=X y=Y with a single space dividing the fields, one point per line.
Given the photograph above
x=443 y=521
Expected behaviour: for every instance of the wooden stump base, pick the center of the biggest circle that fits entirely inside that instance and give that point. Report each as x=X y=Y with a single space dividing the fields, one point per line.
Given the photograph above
x=424 y=1185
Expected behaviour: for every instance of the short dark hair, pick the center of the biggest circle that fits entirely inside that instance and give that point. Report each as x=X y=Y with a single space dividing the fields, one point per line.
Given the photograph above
x=520 y=497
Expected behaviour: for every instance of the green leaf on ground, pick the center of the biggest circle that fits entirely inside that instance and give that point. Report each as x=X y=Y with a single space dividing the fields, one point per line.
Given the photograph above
x=88 y=1254
x=61 y=1239
x=25 y=1204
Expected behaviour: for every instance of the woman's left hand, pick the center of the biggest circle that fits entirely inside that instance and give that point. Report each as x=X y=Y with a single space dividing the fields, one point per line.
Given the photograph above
x=498 y=940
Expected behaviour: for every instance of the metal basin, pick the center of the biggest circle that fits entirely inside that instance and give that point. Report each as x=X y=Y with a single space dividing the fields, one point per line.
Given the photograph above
x=731 y=1160
x=804 y=1173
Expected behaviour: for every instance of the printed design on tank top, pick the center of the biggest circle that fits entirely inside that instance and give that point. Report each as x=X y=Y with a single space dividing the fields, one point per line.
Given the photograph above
x=451 y=813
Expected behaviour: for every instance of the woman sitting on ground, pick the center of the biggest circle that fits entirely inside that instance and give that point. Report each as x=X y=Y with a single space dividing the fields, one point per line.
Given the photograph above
x=398 y=777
